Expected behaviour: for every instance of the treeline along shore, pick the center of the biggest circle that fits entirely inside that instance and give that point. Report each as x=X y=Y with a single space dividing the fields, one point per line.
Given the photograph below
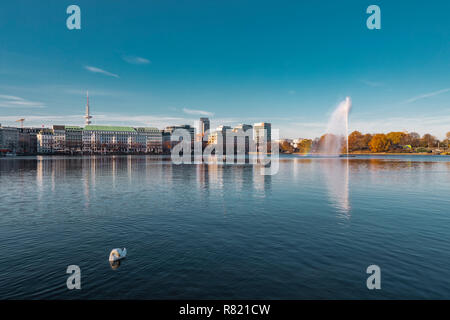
x=379 y=143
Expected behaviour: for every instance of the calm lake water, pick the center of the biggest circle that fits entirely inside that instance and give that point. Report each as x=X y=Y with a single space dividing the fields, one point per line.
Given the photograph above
x=225 y=231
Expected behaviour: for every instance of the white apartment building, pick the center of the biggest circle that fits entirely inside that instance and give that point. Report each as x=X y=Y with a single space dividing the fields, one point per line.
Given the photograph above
x=45 y=141
x=262 y=134
x=59 y=139
x=107 y=139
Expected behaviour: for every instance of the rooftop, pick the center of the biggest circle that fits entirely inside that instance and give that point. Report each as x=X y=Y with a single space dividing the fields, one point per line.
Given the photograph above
x=147 y=129
x=108 y=128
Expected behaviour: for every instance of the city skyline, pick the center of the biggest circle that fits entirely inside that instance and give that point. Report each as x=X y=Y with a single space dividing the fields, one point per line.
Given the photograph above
x=233 y=69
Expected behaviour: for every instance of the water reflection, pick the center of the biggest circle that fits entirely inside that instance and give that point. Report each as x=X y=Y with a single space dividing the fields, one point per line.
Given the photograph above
x=114 y=264
x=109 y=174
x=336 y=173
x=184 y=220
x=262 y=184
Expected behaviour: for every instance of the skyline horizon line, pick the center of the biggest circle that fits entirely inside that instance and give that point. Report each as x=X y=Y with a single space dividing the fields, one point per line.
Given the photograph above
x=312 y=129
x=194 y=123
x=205 y=114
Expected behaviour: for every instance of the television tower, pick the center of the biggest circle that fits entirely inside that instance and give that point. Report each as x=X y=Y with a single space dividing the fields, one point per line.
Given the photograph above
x=88 y=117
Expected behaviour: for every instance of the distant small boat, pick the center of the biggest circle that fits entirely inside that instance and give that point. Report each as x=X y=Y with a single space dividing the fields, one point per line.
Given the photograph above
x=117 y=254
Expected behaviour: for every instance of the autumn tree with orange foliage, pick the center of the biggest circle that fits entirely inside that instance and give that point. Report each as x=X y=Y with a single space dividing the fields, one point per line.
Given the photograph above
x=396 y=138
x=354 y=141
x=286 y=147
x=305 y=146
x=379 y=143
x=395 y=141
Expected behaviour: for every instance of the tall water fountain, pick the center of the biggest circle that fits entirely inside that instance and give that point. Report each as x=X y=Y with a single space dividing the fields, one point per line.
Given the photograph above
x=337 y=129
x=337 y=171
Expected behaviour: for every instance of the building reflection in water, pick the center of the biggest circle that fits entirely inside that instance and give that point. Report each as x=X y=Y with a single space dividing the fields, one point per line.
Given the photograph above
x=215 y=175
x=262 y=184
x=245 y=179
x=86 y=169
x=40 y=177
x=213 y=180
x=130 y=169
x=48 y=172
x=202 y=174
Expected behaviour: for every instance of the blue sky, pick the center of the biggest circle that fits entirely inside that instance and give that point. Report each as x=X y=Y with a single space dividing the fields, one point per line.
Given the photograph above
x=165 y=62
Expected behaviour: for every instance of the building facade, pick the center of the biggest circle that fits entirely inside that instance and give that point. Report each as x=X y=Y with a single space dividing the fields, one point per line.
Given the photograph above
x=110 y=139
x=59 y=139
x=151 y=138
x=9 y=139
x=262 y=135
x=74 y=139
x=28 y=140
x=218 y=137
x=186 y=127
x=243 y=139
x=204 y=126
x=99 y=139
x=45 y=141
x=167 y=133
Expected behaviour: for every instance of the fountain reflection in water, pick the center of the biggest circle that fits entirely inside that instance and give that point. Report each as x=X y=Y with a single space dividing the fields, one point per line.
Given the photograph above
x=337 y=181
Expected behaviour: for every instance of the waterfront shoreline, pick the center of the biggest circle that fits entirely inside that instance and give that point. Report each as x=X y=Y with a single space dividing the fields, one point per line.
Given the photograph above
x=374 y=154
x=398 y=154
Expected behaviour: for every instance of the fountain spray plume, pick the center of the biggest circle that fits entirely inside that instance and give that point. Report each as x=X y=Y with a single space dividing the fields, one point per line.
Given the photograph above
x=337 y=129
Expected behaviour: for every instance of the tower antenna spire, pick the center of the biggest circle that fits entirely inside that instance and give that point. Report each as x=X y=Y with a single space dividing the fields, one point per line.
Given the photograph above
x=88 y=117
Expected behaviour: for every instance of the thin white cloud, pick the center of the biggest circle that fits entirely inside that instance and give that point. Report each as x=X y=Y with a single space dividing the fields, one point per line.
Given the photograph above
x=7 y=97
x=371 y=83
x=427 y=95
x=198 y=112
x=91 y=92
x=100 y=119
x=435 y=124
x=136 y=60
x=8 y=101
x=98 y=70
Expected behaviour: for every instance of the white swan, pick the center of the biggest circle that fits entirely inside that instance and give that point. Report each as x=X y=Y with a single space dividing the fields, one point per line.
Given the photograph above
x=117 y=254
